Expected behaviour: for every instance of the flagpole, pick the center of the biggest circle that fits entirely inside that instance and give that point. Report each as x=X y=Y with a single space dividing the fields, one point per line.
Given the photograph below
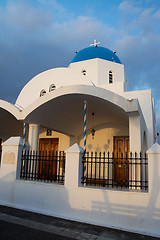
x=85 y=126
x=24 y=136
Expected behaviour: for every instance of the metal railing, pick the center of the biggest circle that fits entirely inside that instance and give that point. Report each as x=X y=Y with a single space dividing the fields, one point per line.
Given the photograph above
x=129 y=171
x=45 y=167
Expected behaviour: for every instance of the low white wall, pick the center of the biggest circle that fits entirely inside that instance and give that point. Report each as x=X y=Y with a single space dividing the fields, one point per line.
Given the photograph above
x=132 y=211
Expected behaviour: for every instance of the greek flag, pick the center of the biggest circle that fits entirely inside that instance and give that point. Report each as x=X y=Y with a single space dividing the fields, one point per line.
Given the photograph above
x=24 y=136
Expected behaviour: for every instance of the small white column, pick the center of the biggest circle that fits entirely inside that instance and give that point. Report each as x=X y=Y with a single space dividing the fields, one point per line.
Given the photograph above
x=11 y=156
x=135 y=133
x=154 y=170
x=73 y=169
x=135 y=146
x=33 y=137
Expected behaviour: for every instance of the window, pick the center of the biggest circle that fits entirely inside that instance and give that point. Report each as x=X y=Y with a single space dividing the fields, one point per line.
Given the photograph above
x=52 y=87
x=49 y=132
x=42 y=93
x=110 y=77
x=84 y=72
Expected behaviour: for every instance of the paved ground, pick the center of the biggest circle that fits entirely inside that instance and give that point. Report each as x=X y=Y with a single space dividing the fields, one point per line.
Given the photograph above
x=22 y=225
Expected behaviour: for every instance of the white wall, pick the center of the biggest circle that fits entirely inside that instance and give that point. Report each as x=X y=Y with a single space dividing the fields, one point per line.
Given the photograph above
x=128 y=210
x=104 y=137
x=118 y=75
x=97 y=71
x=57 y=76
x=145 y=101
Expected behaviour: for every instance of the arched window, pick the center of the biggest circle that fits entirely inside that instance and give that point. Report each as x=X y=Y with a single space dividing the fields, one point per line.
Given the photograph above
x=84 y=72
x=110 y=77
x=52 y=87
x=42 y=92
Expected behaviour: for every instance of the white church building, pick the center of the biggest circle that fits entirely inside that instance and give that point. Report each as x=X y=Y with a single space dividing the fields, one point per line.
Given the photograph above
x=51 y=105
x=46 y=166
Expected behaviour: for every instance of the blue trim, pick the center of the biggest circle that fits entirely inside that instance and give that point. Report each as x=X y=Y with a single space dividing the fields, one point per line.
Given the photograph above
x=96 y=52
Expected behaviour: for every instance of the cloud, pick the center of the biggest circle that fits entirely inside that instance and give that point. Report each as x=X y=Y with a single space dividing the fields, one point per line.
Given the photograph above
x=128 y=8
x=157 y=15
x=139 y=49
x=34 y=34
x=42 y=36
x=34 y=41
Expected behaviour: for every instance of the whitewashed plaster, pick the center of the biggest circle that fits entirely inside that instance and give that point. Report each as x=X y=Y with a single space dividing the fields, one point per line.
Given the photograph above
x=146 y=105
x=97 y=71
x=128 y=210
x=58 y=76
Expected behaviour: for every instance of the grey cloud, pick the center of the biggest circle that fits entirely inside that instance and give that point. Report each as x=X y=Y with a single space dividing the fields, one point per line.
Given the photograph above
x=34 y=41
x=139 y=49
x=128 y=8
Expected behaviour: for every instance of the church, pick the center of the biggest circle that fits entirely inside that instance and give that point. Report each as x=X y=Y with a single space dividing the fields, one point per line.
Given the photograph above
x=50 y=107
x=80 y=125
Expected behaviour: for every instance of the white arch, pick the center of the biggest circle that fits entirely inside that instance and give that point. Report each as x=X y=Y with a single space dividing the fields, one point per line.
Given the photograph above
x=58 y=76
x=9 y=124
x=85 y=90
x=15 y=112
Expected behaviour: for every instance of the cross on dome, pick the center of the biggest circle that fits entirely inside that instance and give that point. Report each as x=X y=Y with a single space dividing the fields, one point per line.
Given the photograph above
x=95 y=43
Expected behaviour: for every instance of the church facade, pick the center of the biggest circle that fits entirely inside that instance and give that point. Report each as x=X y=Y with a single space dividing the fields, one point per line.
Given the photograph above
x=51 y=106
x=51 y=114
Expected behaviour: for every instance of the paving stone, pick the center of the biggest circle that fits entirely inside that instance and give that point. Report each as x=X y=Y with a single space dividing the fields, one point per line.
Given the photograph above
x=55 y=229
x=70 y=233
x=113 y=233
x=34 y=225
x=11 y=219
x=103 y=238
x=31 y=224
x=86 y=236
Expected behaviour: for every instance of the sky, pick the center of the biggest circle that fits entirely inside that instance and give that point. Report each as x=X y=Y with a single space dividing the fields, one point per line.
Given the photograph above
x=37 y=35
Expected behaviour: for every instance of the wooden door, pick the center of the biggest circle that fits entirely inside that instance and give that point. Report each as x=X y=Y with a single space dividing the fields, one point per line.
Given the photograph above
x=48 y=145
x=48 y=164
x=121 y=161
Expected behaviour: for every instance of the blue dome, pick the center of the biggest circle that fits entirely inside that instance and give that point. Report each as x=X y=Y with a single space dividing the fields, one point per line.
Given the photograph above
x=96 y=52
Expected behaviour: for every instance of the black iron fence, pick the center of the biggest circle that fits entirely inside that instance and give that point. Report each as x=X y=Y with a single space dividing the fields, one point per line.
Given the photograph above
x=46 y=167
x=121 y=171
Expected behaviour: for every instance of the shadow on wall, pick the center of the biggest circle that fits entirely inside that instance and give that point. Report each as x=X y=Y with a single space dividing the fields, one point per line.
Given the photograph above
x=105 y=209
x=130 y=210
x=104 y=142
x=153 y=209
x=135 y=211
x=45 y=198
x=98 y=148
